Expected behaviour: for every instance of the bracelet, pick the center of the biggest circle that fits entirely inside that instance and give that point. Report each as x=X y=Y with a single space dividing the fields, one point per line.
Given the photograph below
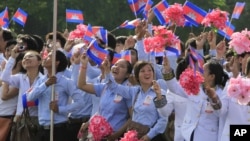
x=216 y=105
x=160 y=103
x=168 y=76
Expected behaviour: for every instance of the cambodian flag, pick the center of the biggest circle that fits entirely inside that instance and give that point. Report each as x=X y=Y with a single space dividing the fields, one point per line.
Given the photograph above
x=26 y=103
x=130 y=24
x=193 y=13
x=20 y=17
x=96 y=53
x=239 y=6
x=137 y=6
x=74 y=16
x=4 y=18
x=147 y=8
x=101 y=33
x=123 y=55
x=158 y=10
x=89 y=35
x=197 y=58
x=176 y=49
x=228 y=31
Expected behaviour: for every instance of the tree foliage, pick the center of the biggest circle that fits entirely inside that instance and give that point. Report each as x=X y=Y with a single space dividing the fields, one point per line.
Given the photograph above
x=107 y=13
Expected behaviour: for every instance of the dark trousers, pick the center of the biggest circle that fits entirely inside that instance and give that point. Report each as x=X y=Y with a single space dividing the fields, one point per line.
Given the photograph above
x=73 y=129
x=159 y=137
x=74 y=126
x=59 y=133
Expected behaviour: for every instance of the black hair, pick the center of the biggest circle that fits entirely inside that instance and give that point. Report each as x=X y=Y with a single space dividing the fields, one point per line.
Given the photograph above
x=181 y=66
x=7 y=35
x=60 y=56
x=134 y=50
x=30 y=41
x=129 y=67
x=10 y=42
x=20 y=58
x=111 y=53
x=121 y=39
x=138 y=66
x=40 y=42
x=111 y=40
x=59 y=36
x=215 y=68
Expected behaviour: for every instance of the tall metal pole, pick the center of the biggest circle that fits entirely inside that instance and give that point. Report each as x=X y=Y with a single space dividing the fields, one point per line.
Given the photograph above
x=53 y=67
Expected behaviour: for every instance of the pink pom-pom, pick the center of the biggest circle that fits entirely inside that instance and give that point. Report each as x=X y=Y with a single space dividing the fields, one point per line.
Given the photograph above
x=239 y=88
x=191 y=81
x=174 y=14
x=131 y=135
x=216 y=18
x=78 y=33
x=240 y=41
x=99 y=127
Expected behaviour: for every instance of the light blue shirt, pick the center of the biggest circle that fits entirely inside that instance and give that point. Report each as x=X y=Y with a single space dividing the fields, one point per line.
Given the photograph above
x=112 y=106
x=86 y=99
x=144 y=111
x=64 y=88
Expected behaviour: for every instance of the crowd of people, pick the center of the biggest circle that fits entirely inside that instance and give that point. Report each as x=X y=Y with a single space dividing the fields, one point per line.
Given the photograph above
x=145 y=90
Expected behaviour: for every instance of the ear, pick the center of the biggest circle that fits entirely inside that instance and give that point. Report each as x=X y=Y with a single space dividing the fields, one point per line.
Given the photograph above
x=57 y=63
x=212 y=76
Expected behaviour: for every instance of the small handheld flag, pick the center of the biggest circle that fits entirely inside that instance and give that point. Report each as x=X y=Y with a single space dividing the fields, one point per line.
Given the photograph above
x=130 y=24
x=228 y=31
x=239 y=6
x=96 y=53
x=20 y=17
x=137 y=6
x=193 y=13
x=74 y=16
x=158 y=10
x=4 y=18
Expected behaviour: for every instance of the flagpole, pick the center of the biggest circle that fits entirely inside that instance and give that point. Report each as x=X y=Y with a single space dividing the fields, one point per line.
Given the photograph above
x=114 y=29
x=53 y=67
x=134 y=9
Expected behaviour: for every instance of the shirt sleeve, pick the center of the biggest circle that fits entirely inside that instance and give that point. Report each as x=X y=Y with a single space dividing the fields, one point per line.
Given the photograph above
x=7 y=77
x=75 y=94
x=159 y=126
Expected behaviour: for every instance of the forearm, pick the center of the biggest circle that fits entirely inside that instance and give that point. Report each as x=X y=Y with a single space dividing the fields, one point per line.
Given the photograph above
x=8 y=93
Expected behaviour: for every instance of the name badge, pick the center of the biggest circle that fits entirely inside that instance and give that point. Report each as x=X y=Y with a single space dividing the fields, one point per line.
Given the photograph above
x=117 y=98
x=147 y=100
x=209 y=108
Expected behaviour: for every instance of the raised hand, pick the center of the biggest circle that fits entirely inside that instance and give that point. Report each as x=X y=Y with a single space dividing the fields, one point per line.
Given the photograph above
x=84 y=60
x=211 y=38
x=157 y=89
x=200 y=40
x=166 y=65
x=105 y=66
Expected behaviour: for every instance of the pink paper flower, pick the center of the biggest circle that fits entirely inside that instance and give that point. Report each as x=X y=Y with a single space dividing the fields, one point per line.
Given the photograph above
x=99 y=127
x=130 y=136
x=153 y=44
x=239 y=88
x=78 y=33
x=174 y=14
x=216 y=18
x=240 y=41
x=243 y=99
x=233 y=90
x=191 y=82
